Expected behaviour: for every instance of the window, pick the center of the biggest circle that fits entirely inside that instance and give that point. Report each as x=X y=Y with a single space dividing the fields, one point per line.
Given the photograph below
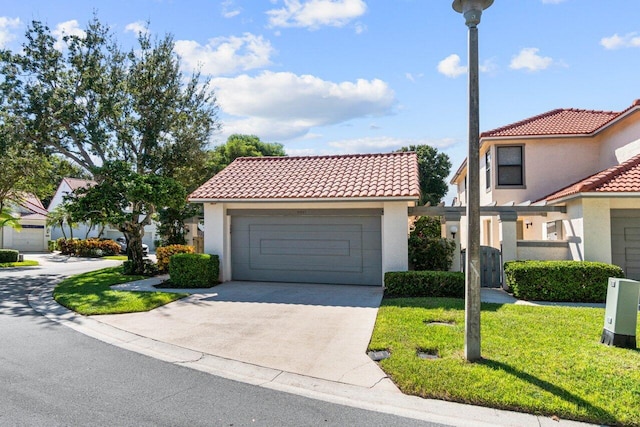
x=487 y=164
x=510 y=171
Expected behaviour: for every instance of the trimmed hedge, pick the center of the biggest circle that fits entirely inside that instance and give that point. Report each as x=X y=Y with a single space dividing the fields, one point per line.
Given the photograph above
x=400 y=284
x=164 y=253
x=572 y=281
x=8 y=255
x=194 y=270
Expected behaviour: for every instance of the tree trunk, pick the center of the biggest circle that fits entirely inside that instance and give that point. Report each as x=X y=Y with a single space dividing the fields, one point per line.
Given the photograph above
x=133 y=232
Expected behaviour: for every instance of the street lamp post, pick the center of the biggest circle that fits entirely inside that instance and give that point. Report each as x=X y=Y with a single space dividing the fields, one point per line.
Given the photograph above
x=472 y=11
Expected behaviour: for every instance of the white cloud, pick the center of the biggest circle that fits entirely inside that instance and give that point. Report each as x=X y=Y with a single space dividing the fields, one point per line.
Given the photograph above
x=229 y=10
x=619 y=42
x=67 y=28
x=529 y=59
x=382 y=144
x=450 y=66
x=6 y=25
x=284 y=105
x=225 y=55
x=138 y=27
x=314 y=14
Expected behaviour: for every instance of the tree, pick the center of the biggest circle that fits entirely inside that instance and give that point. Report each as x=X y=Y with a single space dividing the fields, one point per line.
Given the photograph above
x=433 y=169
x=238 y=145
x=111 y=200
x=101 y=107
x=60 y=216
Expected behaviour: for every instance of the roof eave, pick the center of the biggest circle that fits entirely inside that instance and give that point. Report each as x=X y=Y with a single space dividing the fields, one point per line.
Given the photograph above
x=304 y=200
x=595 y=194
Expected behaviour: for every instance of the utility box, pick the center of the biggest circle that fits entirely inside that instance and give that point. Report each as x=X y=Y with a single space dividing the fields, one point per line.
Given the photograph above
x=621 y=313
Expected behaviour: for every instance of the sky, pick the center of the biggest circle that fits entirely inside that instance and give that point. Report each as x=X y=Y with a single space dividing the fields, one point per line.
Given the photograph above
x=371 y=76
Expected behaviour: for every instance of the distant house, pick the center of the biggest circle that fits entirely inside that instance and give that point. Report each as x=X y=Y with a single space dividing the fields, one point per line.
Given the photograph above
x=316 y=219
x=68 y=186
x=583 y=160
x=33 y=236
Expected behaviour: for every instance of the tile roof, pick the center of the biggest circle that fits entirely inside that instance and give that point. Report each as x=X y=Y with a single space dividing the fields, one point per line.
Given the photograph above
x=622 y=178
x=315 y=177
x=556 y=122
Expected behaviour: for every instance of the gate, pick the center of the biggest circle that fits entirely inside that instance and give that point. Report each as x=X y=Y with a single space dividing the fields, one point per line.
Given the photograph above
x=490 y=266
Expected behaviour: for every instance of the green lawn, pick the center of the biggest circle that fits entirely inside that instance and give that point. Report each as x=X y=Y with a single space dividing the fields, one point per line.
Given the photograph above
x=540 y=360
x=89 y=293
x=116 y=257
x=28 y=263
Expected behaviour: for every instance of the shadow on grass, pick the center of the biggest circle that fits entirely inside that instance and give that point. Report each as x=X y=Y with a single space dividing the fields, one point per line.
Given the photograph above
x=436 y=302
x=567 y=396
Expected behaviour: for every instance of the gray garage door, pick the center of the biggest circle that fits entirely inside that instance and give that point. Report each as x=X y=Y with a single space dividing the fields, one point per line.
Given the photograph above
x=29 y=239
x=307 y=249
x=625 y=241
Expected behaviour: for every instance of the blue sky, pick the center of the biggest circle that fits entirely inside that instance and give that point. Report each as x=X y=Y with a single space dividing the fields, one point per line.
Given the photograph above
x=369 y=76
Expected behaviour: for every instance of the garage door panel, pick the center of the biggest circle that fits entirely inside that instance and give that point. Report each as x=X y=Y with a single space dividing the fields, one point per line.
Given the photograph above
x=307 y=249
x=625 y=241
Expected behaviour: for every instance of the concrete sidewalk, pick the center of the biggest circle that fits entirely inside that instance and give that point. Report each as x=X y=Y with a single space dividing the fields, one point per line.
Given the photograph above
x=211 y=331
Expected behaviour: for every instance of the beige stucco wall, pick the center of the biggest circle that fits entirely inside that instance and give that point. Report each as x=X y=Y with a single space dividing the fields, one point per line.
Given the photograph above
x=394 y=227
x=620 y=141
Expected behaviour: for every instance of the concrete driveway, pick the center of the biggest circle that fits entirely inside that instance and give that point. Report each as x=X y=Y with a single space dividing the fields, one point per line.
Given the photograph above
x=320 y=331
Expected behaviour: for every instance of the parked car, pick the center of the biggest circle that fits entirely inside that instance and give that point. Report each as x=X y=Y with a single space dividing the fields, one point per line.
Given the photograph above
x=123 y=246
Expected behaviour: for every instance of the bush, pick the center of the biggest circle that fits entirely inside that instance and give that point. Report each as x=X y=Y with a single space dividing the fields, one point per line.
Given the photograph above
x=149 y=269
x=574 y=281
x=427 y=250
x=164 y=253
x=400 y=284
x=194 y=270
x=88 y=248
x=8 y=255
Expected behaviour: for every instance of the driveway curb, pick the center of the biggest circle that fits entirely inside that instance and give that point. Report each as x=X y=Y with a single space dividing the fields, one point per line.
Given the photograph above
x=377 y=398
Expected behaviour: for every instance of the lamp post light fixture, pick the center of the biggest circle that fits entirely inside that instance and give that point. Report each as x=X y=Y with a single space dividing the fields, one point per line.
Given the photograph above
x=472 y=12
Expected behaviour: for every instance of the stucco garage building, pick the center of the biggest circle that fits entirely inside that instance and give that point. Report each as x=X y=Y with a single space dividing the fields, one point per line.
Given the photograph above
x=318 y=219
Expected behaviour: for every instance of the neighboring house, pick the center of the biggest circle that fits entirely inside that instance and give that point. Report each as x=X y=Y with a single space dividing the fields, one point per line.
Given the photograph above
x=33 y=236
x=68 y=186
x=587 y=162
x=319 y=219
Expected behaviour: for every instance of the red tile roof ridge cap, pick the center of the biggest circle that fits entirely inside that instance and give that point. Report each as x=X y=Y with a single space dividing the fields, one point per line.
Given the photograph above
x=326 y=156
x=602 y=177
x=550 y=113
x=594 y=181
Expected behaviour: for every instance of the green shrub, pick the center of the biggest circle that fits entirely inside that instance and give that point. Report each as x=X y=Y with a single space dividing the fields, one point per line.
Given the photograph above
x=52 y=245
x=574 y=281
x=149 y=269
x=401 y=284
x=427 y=250
x=164 y=253
x=194 y=270
x=8 y=255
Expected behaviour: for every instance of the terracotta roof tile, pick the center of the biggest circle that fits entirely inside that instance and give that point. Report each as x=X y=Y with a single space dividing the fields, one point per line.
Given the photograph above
x=623 y=178
x=315 y=177
x=557 y=122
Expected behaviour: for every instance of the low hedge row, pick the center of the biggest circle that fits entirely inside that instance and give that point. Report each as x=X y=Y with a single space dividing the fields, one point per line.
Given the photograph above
x=194 y=270
x=575 y=281
x=402 y=284
x=8 y=255
x=164 y=253
x=88 y=247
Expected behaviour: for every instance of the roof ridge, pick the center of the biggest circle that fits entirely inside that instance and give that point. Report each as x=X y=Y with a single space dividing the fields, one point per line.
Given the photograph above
x=325 y=156
x=603 y=176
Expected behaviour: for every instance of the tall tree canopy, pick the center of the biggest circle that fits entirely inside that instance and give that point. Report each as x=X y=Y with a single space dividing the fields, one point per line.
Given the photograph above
x=101 y=106
x=433 y=169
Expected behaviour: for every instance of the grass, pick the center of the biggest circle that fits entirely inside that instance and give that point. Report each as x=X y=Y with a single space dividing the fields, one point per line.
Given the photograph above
x=27 y=263
x=540 y=360
x=90 y=293
x=116 y=257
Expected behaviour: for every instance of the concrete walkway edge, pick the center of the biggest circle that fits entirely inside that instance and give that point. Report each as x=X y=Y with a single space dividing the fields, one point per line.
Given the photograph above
x=374 y=399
